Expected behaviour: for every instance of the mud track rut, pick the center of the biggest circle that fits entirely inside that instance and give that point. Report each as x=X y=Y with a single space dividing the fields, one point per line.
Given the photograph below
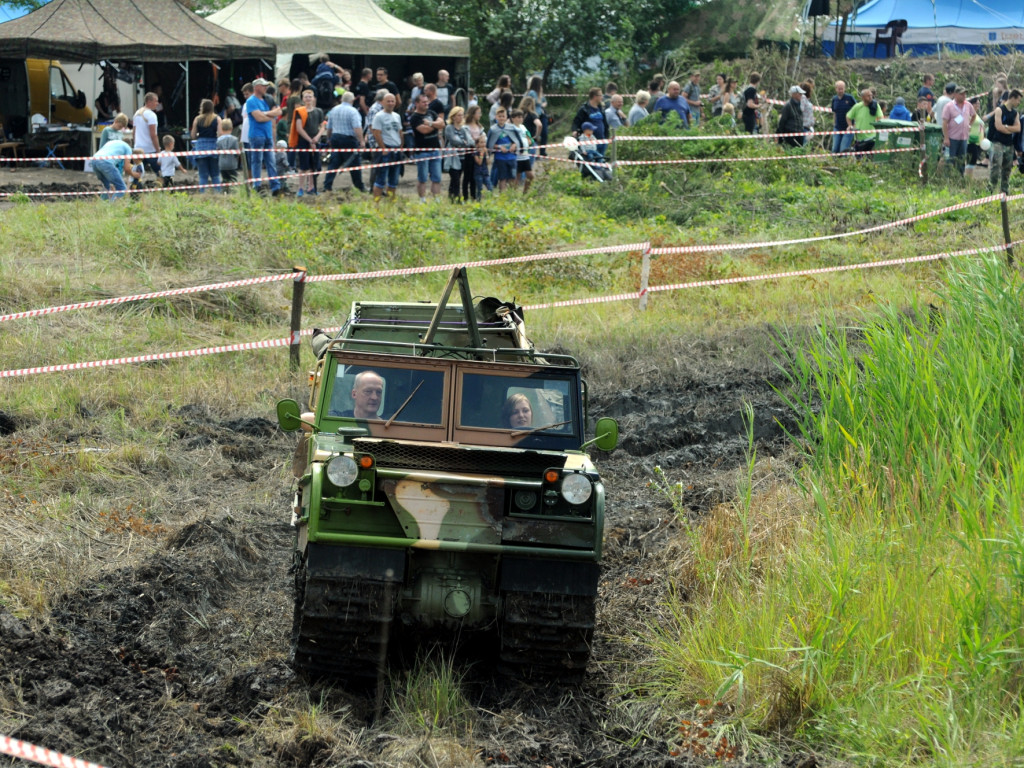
x=176 y=660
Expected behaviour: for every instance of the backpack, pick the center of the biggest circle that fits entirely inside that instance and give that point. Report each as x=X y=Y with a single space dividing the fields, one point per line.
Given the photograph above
x=323 y=84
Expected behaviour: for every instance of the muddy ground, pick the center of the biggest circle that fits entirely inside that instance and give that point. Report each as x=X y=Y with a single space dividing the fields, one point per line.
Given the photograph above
x=179 y=657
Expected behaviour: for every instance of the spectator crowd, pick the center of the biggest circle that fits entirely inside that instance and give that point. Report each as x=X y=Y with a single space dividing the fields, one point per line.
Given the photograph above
x=367 y=125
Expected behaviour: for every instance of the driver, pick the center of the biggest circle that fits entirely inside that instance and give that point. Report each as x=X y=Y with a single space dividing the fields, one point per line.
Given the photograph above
x=516 y=412
x=367 y=390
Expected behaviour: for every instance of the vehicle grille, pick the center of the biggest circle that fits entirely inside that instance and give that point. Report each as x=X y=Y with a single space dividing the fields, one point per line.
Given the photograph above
x=394 y=455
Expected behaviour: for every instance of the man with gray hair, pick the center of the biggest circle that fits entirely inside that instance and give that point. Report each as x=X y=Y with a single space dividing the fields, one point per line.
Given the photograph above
x=375 y=107
x=345 y=132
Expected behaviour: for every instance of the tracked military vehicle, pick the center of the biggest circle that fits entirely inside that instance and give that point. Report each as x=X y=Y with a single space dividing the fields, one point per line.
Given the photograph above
x=444 y=492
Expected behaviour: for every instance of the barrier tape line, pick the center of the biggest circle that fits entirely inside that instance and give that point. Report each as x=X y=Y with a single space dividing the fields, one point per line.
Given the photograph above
x=775 y=276
x=26 y=751
x=632 y=295
x=156 y=357
x=676 y=249
x=146 y=296
x=746 y=136
x=642 y=247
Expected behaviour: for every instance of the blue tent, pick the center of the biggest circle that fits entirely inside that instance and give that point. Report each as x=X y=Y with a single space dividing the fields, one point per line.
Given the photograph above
x=972 y=26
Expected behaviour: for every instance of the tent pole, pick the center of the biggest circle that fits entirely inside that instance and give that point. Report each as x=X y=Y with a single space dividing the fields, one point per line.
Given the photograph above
x=187 y=100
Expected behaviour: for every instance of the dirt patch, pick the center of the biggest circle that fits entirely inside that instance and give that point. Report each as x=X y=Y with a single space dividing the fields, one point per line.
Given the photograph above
x=180 y=658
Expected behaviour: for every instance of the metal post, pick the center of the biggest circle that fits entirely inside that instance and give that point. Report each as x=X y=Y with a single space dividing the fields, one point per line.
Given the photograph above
x=298 y=288
x=645 y=276
x=1005 y=209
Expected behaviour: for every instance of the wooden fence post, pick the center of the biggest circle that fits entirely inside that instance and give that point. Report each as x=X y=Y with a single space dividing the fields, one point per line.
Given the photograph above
x=924 y=157
x=298 y=289
x=645 y=276
x=1005 y=210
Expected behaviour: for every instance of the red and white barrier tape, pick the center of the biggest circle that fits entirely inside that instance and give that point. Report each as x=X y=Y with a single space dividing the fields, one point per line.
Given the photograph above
x=268 y=344
x=152 y=295
x=214 y=152
x=26 y=751
x=741 y=136
x=689 y=160
x=775 y=276
x=289 y=340
x=304 y=277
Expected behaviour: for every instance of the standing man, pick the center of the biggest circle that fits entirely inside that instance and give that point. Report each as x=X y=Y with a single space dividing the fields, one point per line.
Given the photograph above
x=591 y=112
x=261 y=136
x=426 y=138
x=445 y=91
x=842 y=103
x=957 y=117
x=751 y=102
x=1006 y=126
x=672 y=101
x=363 y=93
x=384 y=82
x=387 y=132
x=925 y=91
x=144 y=125
x=942 y=101
x=692 y=94
x=345 y=131
x=614 y=115
x=791 y=119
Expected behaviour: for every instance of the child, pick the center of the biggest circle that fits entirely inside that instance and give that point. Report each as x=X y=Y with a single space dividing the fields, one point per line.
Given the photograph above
x=227 y=142
x=524 y=165
x=472 y=99
x=168 y=162
x=481 y=173
x=588 y=144
x=502 y=142
x=728 y=117
x=137 y=172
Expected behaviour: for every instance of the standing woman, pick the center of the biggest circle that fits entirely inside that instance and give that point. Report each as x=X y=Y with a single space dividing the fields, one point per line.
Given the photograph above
x=476 y=130
x=459 y=163
x=806 y=106
x=504 y=83
x=535 y=90
x=204 y=138
x=715 y=95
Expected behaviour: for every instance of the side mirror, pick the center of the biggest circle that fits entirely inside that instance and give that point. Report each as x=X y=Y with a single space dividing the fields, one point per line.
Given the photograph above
x=288 y=415
x=606 y=434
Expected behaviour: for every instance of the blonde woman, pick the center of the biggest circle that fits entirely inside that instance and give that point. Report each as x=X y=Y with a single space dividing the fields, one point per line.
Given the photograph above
x=458 y=142
x=516 y=413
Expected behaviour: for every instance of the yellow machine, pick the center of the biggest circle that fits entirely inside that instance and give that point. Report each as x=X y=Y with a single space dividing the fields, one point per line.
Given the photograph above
x=38 y=86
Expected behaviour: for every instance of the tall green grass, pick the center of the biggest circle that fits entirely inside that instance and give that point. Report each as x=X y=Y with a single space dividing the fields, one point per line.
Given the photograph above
x=883 y=617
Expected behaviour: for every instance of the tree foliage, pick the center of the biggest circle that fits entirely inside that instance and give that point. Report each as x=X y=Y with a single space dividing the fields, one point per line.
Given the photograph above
x=519 y=37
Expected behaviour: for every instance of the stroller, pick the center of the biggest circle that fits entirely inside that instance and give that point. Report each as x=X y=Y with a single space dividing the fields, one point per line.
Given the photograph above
x=591 y=163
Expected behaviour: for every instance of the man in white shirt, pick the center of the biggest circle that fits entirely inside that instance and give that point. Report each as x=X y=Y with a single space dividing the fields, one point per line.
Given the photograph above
x=144 y=125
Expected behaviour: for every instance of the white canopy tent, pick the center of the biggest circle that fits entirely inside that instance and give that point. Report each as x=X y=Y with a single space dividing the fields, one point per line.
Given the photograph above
x=354 y=27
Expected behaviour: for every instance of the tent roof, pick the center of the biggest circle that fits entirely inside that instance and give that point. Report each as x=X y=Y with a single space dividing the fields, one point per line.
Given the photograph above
x=966 y=14
x=345 y=26
x=123 y=30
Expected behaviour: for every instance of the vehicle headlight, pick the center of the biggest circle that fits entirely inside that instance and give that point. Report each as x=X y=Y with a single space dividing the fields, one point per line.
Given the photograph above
x=576 y=488
x=342 y=471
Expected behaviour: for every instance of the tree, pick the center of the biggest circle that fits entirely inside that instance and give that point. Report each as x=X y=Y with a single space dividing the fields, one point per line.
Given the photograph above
x=519 y=37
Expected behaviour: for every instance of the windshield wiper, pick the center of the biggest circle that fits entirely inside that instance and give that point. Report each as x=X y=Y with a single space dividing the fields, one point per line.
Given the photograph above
x=520 y=432
x=410 y=397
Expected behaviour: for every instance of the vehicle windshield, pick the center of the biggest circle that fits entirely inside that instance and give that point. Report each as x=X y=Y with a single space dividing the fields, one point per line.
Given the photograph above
x=403 y=395
x=534 y=405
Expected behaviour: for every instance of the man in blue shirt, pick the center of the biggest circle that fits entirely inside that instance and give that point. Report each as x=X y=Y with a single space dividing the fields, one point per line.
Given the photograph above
x=673 y=102
x=345 y=131
x=842 y=103
x=261 y=136
x=108 y=165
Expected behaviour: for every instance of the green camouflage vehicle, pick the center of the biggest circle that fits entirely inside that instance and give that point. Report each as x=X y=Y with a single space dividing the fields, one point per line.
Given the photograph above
x=444 y=492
